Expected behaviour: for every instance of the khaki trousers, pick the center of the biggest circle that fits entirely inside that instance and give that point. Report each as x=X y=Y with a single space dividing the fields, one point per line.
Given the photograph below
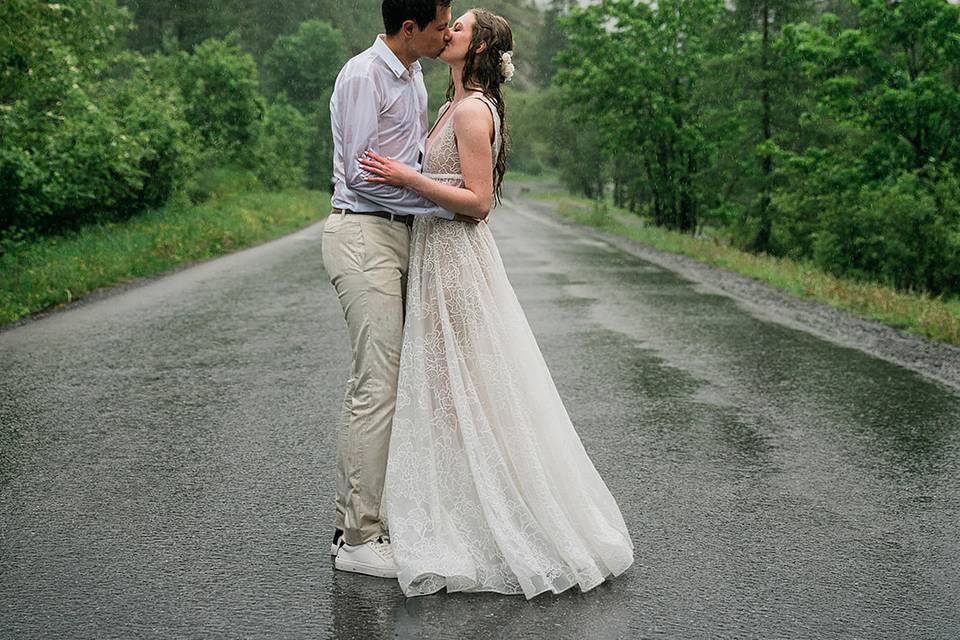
x=366 y=258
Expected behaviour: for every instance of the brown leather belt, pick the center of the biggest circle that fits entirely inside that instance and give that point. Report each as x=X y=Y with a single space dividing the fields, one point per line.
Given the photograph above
x=392 y=217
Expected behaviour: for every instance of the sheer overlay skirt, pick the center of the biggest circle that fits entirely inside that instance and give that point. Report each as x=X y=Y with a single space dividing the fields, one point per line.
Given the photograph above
x=488 y=486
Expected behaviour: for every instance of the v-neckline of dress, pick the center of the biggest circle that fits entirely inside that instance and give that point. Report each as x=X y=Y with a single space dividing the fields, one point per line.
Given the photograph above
x=451 y=108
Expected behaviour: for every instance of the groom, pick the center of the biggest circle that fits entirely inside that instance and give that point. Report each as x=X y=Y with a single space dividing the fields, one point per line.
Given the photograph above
x=379 y=102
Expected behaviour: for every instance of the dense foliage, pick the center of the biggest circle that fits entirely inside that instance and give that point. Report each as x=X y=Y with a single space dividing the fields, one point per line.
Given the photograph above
x=833 y=137
x=108 y=110
x=84 y=128
x=90 y=130
x=823 y=130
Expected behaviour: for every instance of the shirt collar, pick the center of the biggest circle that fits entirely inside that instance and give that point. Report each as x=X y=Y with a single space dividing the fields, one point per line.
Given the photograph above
x=387 y=55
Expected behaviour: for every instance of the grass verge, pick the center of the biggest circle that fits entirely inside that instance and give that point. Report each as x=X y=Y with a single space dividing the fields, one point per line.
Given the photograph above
x=915 y=313
x=50 y=271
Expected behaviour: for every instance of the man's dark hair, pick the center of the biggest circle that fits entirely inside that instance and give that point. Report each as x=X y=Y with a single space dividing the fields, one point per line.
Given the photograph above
x=396 y=12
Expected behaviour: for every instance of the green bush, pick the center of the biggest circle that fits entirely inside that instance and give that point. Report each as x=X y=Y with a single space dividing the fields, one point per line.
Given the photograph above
x=808 y=186
x=167 y=149
x=88 y=133
x=895 y=232
x=222 y=103
x=284 y=141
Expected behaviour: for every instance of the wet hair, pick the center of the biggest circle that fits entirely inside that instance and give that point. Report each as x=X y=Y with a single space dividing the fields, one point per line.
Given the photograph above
x=396 y=12
x=481 y=72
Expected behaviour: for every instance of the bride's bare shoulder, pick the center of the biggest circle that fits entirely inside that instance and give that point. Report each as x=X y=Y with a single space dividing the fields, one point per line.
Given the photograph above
x=473 y=116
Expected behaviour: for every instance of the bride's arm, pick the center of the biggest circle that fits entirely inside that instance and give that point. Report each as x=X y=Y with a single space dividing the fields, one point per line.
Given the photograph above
x=473 y=126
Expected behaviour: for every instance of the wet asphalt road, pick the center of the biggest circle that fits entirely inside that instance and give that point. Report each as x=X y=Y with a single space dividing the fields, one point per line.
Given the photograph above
x=166 y=463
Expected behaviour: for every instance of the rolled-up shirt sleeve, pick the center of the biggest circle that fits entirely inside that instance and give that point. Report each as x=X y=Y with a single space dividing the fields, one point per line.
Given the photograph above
x=360 y=132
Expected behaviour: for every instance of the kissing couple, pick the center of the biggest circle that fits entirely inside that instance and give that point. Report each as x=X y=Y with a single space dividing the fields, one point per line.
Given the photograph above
x=457 y=464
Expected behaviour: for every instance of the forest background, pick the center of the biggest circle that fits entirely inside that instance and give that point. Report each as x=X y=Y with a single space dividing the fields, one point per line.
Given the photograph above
x=822 y=131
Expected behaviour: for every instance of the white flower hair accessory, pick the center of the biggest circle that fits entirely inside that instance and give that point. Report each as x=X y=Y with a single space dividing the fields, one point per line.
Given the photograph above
x=506 y=65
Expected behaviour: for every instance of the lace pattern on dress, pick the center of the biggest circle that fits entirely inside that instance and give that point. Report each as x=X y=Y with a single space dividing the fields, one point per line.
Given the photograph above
x=442 y=162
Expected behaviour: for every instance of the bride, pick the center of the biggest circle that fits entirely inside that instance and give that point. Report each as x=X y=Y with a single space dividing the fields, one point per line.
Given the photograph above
x=488 y=487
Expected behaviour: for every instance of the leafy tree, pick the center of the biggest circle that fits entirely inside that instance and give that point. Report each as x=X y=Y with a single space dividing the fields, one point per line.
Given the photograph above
x=895 y=75
x=545 y=135
x=305 y=65
x=890 y=87
x=552 y=40
x=259 y=24
x=765 y=19
x=165 y=25
x=634 y=70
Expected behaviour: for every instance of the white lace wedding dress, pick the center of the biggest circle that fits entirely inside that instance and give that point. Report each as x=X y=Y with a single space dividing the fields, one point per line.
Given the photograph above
x=488 y=487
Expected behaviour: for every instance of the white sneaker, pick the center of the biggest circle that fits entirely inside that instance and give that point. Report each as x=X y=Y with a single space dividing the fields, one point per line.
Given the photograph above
x=373 y=558
x=337 y=541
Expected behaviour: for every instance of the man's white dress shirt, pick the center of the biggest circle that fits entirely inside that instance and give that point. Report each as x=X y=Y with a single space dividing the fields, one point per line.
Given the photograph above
x=378 y=104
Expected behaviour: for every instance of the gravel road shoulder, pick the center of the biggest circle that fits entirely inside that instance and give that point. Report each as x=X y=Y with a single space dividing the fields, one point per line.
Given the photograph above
x=934 y=360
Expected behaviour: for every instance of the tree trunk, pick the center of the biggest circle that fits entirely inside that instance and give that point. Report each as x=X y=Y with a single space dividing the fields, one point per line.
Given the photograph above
x=688 y=204
x=762 y=240
x=657 y=202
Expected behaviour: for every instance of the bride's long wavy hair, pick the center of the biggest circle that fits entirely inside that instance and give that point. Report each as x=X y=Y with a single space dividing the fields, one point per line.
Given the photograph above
x=481 y=72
